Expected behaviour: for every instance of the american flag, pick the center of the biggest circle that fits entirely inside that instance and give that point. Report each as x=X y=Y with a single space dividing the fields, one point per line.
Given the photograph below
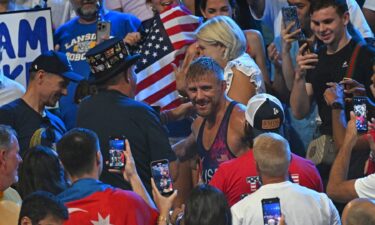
x=254 y=183
x=167 y=37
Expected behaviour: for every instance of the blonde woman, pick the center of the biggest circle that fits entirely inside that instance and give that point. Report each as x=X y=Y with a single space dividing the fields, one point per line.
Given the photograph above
x=223 y=40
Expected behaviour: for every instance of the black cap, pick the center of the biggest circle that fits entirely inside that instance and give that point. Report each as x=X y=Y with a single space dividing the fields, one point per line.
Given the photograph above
x=56 y=63
x=108 y=59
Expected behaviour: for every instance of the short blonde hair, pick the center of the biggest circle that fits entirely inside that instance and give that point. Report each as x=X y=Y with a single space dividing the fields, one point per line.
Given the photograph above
x=223 y=30
x=272 y=154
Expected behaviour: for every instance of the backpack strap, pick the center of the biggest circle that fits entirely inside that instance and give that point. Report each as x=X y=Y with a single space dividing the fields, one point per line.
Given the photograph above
x=353 y=61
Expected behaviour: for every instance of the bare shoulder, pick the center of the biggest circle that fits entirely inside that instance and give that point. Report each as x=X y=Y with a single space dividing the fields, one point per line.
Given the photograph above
x=253 y=35
x=238 y=116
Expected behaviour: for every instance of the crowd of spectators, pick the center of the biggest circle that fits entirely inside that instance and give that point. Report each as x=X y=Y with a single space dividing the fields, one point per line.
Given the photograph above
x=253 y=119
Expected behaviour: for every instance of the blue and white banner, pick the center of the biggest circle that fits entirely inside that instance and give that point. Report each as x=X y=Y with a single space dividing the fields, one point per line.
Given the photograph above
x=23 y=36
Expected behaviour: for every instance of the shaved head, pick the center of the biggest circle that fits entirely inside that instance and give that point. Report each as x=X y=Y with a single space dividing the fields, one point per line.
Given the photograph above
x=359 y=211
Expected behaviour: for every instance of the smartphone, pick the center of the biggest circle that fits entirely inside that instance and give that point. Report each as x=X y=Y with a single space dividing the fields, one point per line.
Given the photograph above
x=116 y=152
x=360 y=111
x=290 y=15
x=271 y=211
x=103 y=30
x=162 y=177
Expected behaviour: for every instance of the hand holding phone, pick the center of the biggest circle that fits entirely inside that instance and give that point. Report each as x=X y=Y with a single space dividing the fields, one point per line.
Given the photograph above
x=290 y=16
x=116 y=153
x=271 y=211
x=360 y=112
x=162 y=177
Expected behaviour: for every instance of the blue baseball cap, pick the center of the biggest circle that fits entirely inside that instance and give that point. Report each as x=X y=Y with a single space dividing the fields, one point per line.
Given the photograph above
x=56 y=63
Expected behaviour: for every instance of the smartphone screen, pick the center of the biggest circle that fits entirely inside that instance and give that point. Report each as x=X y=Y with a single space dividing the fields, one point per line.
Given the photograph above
x=271 y=211
x=360 y=111
x=161 y=175
x=103 y=30
x=290 y=15
x=116 y=152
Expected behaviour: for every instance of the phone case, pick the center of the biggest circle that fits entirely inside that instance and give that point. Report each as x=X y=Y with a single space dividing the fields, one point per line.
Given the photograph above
x=360 y=111
x=161 y=175
x=271 y=211
x=290 y=15
x=103 y=29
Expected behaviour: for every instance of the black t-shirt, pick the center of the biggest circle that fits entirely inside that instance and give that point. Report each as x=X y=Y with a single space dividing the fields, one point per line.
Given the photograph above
x=333 y=68
x=25 y=121
x=110 y=113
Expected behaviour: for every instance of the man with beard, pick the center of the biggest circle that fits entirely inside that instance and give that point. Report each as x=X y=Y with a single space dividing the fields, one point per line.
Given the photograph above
x=78 y=35
x=218 y=133
x=50 y=74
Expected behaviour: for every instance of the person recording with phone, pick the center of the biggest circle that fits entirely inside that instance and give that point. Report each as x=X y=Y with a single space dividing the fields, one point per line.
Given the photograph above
x=298 y=204
x=340 y=187
x=339 y=57
x=286 y=44
x=282 y=53
x=92 y=200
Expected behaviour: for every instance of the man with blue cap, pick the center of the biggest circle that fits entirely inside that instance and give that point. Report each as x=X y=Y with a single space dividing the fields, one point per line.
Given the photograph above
x=50 y=74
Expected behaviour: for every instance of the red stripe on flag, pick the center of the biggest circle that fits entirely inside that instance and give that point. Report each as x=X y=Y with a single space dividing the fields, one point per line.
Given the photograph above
x=181 y=39
x=182 y=28
x=161 y=93
x=152 y=78
x=174 y=15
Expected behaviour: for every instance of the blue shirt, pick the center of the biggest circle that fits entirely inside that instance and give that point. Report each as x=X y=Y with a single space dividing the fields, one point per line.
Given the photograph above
x=75 y=39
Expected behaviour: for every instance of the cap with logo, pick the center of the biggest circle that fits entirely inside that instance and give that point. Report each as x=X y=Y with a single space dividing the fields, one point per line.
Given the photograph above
x=56 y=63
x=108 y=59
x=265 y=113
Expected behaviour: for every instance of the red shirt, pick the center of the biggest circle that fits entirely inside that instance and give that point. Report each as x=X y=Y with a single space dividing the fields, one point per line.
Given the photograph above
x=239 y=176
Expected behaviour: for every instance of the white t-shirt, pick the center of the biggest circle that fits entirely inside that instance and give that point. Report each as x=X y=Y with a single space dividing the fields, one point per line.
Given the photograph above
x=249 y=68
x=298 y=204
x=9 y=90
x=272 y=17
x=61 y=10
x=369 y=4
x=270 y=13
x=139 y=8
x=365 y=187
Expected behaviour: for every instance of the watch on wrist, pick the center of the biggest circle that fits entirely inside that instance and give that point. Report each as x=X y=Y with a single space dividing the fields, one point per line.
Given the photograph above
x=337 y=105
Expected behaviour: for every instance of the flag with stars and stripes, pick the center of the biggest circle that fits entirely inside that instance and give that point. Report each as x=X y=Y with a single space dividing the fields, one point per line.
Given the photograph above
x=164 y=42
